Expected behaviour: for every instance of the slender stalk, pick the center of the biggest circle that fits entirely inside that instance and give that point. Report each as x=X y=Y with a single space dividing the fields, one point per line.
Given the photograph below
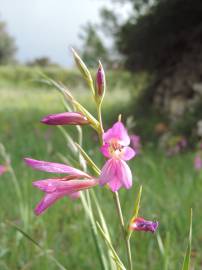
x=99 y=113
x=121 y=220
x=85 y=199
x=93 y=227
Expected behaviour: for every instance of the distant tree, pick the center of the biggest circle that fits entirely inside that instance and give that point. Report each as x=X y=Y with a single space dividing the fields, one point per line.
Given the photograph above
x=7 y=46
x=93 y=48
x=160 y=36
x=42 y=62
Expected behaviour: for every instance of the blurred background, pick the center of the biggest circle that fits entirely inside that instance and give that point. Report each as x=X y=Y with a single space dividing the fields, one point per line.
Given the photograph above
x=151 y=51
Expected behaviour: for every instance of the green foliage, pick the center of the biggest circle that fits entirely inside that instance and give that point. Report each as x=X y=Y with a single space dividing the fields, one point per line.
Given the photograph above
x=31 y=76
x=159 y=37
x=7 y=46
x=42 y=62
x=187 y=257
x=171 y=186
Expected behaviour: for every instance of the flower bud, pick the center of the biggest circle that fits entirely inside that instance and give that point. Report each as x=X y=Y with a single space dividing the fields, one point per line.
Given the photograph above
x=67 y=118
x=84 y=70
x=100 y=81
x=140 y=224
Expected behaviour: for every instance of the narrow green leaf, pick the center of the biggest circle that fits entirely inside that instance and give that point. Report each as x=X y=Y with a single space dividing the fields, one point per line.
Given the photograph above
x=94 y=231
x=135 y=212
x=88 y=159
x=70 y=141
x=137 y=203
x=108 y=243
x=186 y=263
x=46 y=252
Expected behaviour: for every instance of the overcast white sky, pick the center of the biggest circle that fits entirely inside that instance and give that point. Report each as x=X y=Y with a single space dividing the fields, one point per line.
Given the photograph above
x=48 y=27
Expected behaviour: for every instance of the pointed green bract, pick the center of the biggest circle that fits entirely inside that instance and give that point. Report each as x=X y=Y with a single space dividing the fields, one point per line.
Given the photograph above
x=84 y=70
x=186 y=263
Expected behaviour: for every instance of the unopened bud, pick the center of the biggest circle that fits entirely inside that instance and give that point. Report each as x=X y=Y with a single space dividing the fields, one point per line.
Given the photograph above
x=100 y=81
x=140 y=224
x=84 y=70
x=67 y=118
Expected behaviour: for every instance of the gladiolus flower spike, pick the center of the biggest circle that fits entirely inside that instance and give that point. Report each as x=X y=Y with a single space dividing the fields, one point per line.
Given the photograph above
x=140 y=224
x=56 y=188
x=116 y=173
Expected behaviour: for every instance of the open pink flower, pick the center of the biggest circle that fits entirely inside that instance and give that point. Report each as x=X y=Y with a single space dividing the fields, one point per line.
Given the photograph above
x=3 y=169
x=66 y=118
x=140 y=224
x=115 y=171
x=56 y=188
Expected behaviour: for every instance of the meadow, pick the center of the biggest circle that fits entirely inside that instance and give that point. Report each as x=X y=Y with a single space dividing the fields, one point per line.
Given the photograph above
x=170 y=185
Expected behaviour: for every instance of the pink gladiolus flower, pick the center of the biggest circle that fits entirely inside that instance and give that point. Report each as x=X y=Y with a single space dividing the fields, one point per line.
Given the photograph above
x=198 y=163
x=140 y=224
x=56 y=188
x=3 y=169
x=115 y=171
x=67 y=118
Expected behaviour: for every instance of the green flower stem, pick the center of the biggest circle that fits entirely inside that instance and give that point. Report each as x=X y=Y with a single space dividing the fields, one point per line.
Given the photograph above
x=93 y=228
x=121 y=220
x=99 y=113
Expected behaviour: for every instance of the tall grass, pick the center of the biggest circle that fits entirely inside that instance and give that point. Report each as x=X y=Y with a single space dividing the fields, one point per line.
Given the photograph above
x=170 y=188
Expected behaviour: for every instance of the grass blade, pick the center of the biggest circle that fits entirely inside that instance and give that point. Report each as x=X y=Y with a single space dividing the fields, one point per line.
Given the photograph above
x=186 y=263
x=46 y=252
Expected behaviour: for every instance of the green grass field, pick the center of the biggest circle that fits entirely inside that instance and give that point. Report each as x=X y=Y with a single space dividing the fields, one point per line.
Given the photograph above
x=170 y=188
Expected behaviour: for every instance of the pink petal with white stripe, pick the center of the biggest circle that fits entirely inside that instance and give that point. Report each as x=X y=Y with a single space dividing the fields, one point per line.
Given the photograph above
x=117 y=174
x=53 y=167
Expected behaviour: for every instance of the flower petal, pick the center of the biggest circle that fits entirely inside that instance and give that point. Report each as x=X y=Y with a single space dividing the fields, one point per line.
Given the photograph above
x=128 y=153
x=115 y=184
x=124 y=174
x=117 y=132
x=105 y=150
x=75 y=195
x=47 y=201
x=58 y=185
x=53 y=167
x=108 y=172
x=67 y=118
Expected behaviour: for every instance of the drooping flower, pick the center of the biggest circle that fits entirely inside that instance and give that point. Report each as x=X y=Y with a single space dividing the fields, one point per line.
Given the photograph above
x=140 y=224
x=66 y=118
x=135 y=143
x=198 y=163
x=3 y=169
x=56 y=188
x=116 y=173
